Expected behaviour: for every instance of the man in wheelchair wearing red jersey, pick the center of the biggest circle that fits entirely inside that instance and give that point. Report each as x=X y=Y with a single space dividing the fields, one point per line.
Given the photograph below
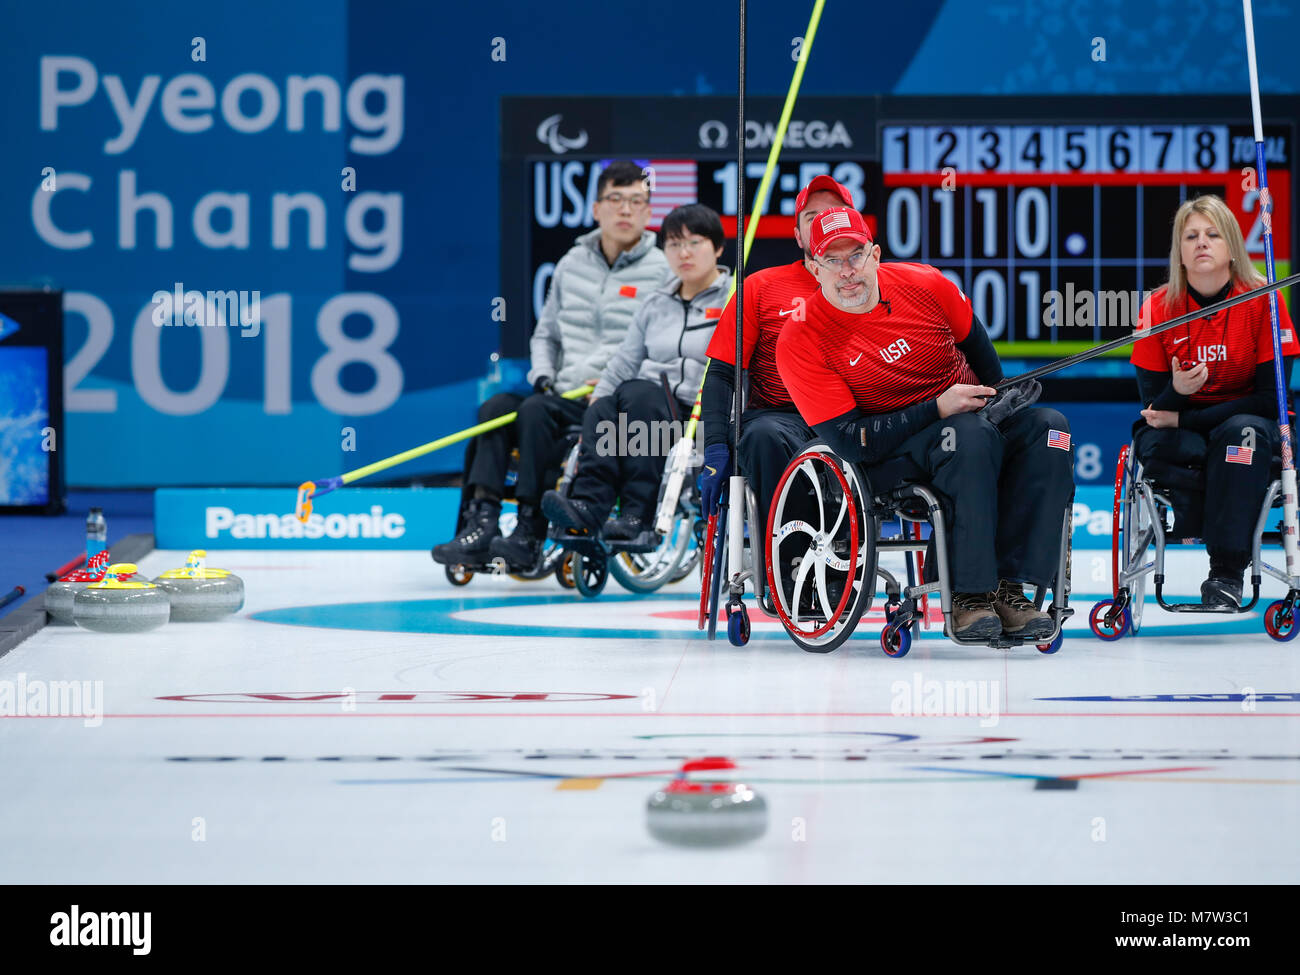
x=891 y=365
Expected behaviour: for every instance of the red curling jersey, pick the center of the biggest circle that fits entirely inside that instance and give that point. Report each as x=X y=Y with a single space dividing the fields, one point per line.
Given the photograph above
x=1231 y=342
x=901 y=352
x=773 y=296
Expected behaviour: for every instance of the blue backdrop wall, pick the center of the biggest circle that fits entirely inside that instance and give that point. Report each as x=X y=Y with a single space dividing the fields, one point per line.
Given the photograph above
x=337 y=164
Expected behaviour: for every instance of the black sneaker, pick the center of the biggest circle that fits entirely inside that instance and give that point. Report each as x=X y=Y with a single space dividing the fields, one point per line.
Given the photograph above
x=1221 y=591
x=570 y=513
x=625 y=528
x=973 y=616
x=523 y=549
x=471 y=546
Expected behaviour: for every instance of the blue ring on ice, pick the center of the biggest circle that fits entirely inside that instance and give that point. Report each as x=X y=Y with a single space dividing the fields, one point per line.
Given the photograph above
x=437 y=616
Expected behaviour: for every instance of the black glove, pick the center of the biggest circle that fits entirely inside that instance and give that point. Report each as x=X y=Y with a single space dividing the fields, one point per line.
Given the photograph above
x=1011 y=401
x=544 y=385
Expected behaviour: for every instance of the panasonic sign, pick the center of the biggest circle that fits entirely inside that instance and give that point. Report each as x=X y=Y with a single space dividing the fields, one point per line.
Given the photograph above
x=224 y=523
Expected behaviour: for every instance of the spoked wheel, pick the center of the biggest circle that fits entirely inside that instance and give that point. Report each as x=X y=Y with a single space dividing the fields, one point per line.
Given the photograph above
x=820 y=551
x=564 y=572
x=590 y=574
x=1280 y=621
x=647 y=571
x=1134 y=524
x=1100 y=628
x=458 y=575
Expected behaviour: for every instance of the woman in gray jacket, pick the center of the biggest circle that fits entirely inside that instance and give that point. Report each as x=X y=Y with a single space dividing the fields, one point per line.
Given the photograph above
x=627 y=432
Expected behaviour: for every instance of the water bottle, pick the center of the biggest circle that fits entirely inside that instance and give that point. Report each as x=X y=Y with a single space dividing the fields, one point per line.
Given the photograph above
x=96 y=533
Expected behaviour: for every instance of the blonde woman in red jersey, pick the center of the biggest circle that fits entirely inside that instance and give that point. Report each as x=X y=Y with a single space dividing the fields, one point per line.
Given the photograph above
x=1210 y=391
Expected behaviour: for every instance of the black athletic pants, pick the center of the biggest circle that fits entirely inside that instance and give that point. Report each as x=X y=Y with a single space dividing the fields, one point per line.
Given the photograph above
x=1003 y=492
x=539 y=435
x=625 y=439
x=769 y=440
x=1225 y=515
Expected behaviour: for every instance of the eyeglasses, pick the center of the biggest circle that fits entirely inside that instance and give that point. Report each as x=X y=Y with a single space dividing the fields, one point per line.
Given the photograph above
x=682 y=244
x=636 y=202
x=856 y=261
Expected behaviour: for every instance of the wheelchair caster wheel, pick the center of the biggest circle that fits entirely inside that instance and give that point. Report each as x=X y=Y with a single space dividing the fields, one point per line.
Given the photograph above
x=564 y=572
x=896 y=641
x=1053 y=646
x=1097 y=620
x=738 y=627
x=590 y=575
x=458 y=575
x=1280 y=623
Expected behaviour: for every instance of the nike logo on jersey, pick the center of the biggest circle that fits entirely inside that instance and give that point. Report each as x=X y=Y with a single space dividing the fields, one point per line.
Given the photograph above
x=786 y=311
x=854 y=362
x=1183 y=339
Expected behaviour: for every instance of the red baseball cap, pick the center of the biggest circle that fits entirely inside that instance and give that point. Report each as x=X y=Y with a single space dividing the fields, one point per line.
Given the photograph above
x=816 y=184
x=837 y=223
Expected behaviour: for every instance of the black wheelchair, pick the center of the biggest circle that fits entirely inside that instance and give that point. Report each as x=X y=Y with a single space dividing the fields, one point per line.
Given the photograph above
x=1143 y=519
x=824 y=541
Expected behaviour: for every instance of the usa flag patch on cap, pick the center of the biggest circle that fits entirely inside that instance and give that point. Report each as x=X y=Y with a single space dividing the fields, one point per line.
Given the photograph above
x=628 y=291
x=1058 y=439
x=1240 y=455
x=833 y=221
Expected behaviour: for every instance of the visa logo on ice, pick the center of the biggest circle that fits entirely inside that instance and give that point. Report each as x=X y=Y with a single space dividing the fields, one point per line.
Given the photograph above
x=376 y=524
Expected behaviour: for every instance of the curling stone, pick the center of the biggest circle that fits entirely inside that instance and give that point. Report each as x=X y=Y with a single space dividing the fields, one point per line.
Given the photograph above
x=120 y=604
x=706 y=813
x=200 y=594
x=59 y=595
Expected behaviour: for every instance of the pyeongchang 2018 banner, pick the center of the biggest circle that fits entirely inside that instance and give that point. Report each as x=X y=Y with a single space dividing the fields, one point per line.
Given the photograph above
x=243 y=217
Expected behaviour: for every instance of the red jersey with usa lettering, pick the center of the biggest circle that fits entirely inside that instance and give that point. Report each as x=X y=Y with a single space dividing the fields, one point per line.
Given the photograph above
x=774 y=297
x=901 y=352
x=1231 y=343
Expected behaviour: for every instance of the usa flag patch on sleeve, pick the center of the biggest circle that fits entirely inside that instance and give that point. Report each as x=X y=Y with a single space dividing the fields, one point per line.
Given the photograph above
x=1240 y=455
x=1058 y=439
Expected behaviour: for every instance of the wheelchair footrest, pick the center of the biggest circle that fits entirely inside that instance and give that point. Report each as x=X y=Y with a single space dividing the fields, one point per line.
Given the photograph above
x=1198 y=608
x=647 y=541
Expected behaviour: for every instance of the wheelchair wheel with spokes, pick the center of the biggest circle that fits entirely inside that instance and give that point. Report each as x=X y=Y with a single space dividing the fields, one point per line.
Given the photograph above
x=820 y=550
x=648 y=571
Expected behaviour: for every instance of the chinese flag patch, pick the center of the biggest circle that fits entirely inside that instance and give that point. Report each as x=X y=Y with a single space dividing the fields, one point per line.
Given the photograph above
x=628 y=291
x=713 y=313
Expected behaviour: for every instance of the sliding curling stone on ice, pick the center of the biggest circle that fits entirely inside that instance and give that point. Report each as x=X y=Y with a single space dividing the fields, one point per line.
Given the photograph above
x=120 y=604
x=706 y=813
x=200 y=594
x=59 y=595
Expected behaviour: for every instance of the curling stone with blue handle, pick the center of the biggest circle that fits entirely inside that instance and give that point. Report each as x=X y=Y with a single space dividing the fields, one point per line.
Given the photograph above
x=200 y=594
x=119 y=604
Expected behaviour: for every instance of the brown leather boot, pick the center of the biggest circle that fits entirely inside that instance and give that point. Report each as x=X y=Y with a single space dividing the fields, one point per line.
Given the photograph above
x=973 y=617
x=1020 y=618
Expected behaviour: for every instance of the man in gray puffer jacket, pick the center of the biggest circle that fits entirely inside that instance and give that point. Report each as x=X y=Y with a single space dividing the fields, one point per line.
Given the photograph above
x=623 y=443
x=596 y=289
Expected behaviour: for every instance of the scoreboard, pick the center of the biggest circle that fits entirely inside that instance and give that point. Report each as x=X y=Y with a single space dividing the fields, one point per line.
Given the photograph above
x=1053 y=214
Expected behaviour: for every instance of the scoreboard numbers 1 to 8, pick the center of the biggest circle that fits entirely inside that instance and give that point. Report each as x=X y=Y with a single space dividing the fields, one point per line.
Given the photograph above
x=1027 y=219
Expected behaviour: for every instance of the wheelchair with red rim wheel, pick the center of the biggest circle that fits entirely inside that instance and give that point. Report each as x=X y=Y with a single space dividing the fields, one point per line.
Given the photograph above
x=1142 y=515
x=823 y=548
